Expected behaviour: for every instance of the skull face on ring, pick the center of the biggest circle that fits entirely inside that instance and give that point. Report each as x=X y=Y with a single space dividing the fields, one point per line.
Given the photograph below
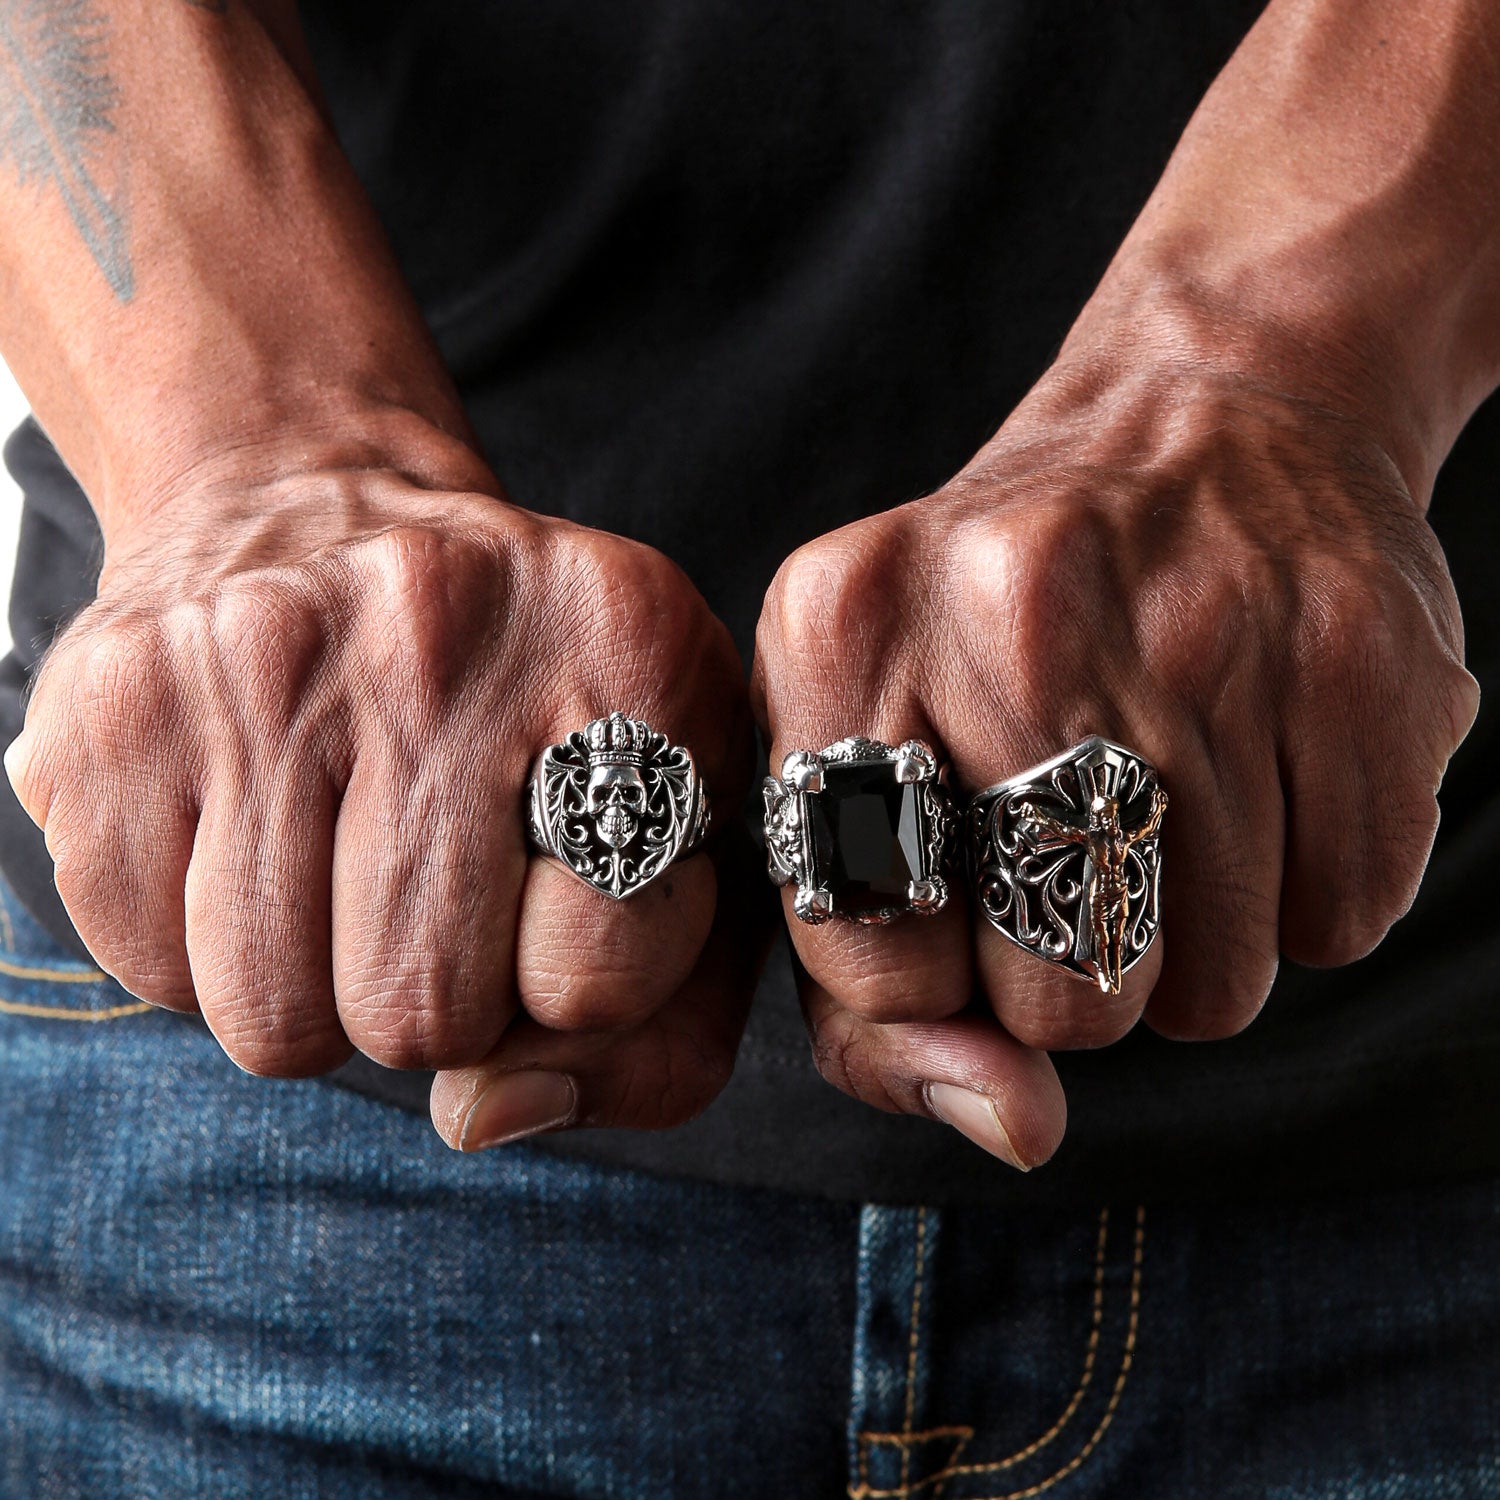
x=616 y=802
x=616 y=796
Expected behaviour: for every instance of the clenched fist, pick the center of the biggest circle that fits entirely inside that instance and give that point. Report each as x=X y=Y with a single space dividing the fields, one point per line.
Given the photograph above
x=280 y=765
x=1234 y=583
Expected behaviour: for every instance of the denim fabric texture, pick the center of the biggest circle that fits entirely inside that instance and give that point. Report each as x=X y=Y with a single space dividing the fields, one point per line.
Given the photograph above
x=219 y=1286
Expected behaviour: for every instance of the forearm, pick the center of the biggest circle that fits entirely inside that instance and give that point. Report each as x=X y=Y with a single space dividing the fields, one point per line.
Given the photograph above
x=1330 y=222
x=195 y=270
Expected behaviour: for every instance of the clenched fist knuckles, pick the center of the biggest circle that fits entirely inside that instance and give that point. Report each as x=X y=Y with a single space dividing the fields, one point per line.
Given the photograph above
x=1238 y=586
x=280 y=764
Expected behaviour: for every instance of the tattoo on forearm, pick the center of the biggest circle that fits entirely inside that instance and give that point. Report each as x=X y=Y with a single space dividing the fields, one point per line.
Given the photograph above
x=57 y=121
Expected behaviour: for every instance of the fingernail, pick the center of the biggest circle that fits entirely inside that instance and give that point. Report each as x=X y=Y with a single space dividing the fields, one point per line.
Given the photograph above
x=16 y=755
x=518 y=1105
x=974 y=1114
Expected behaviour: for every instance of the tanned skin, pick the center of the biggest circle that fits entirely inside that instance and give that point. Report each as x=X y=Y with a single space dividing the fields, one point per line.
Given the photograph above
x=1202 y=535
x=278 y=761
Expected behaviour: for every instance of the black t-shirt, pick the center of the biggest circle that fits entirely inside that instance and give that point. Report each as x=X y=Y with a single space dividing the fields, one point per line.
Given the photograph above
x=722 y=277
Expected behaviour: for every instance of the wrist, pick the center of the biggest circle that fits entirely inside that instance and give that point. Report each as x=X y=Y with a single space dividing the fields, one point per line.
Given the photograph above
x=1180 y=317
x=1321 y=228
x=331 y=475
x=280 y=410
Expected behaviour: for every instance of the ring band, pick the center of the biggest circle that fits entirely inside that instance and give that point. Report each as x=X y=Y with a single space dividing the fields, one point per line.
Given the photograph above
x=865 y=831
x=1065 y=859
x=617 y=803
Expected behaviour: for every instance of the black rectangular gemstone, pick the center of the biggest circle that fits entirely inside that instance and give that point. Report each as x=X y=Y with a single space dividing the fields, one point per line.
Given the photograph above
x=867 y=835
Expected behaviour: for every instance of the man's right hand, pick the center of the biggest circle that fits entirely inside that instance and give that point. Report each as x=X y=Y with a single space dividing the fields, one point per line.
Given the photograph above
x=280 y=765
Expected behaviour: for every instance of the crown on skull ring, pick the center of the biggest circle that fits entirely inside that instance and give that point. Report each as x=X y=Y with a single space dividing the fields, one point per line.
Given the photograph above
x=617 y=803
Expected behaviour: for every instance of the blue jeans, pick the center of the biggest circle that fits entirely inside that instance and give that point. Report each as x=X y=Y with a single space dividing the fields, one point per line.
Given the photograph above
x=218 y=1286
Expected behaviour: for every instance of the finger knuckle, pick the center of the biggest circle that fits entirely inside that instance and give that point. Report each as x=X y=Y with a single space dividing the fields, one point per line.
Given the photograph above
x=829 y=597
x=112 y=688
x=272 y=1053
x=1232 y=1009
x=644 y=614
x=1241 y=984
x=846 y=1056
x=420 y=1014
x=1069 y=1024
x=430 y=596
x=1345 y=646
x=1197 y=632
x=1034 y=591
x=134 y=952
x=1457 y=706
x=261 y=1028
x=884 y=992
x=672 y=1081
x=601 y=995
x=1368 y=887
x=267 y=638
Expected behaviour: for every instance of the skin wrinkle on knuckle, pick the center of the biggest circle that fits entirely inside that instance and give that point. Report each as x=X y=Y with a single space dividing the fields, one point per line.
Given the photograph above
x=428 y=604
x=413 y=1003
x=568 y=1000
x=118 y=688
x=1369 y=891
x=632 y=630
x=831 y=600
x=592 y=987
x=844 y=1054
x=1244 y=972
x=665 y=1089
x=282 y=1056
x=877 y=985
x=271 y=641
x=1060 y=1024
x=263 y=1028
x=1035 y=617
x=139 y=959
x=1199 y=636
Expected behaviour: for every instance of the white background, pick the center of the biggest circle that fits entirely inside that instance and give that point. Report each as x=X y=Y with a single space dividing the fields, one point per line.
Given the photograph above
x=12 y=409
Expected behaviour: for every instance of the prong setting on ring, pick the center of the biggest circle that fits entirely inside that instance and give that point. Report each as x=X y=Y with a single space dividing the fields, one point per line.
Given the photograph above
x=864 y=831
x=813 y=906
x=803 y=770
x=915 y=763
x=928 y=895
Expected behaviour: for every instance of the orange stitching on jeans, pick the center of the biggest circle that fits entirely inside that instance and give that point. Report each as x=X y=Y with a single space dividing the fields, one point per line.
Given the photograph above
x=864 y=1491
x=1126 y=1360
x=59 y=976
x=1089 y=1359
x=73 y=1013
x=941 y=1478
x=926 y=1435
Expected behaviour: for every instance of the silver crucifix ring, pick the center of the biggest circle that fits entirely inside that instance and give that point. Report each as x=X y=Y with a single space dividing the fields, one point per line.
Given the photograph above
x=865 y=830
x=1066 y=859
x=617 y=802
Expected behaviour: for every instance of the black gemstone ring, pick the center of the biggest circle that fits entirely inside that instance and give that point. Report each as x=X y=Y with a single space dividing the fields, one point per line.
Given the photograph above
x=865 y=831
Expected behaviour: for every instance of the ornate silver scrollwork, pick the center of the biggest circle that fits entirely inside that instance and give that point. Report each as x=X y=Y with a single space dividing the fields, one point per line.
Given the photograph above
x=617 y=802
x=1065 y=859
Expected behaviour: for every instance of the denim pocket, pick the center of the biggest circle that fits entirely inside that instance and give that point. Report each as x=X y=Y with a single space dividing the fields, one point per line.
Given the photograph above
x=974 y=1382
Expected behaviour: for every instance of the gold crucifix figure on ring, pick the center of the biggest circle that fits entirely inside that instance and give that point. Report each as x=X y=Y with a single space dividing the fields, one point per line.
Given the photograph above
x=1106 y=892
